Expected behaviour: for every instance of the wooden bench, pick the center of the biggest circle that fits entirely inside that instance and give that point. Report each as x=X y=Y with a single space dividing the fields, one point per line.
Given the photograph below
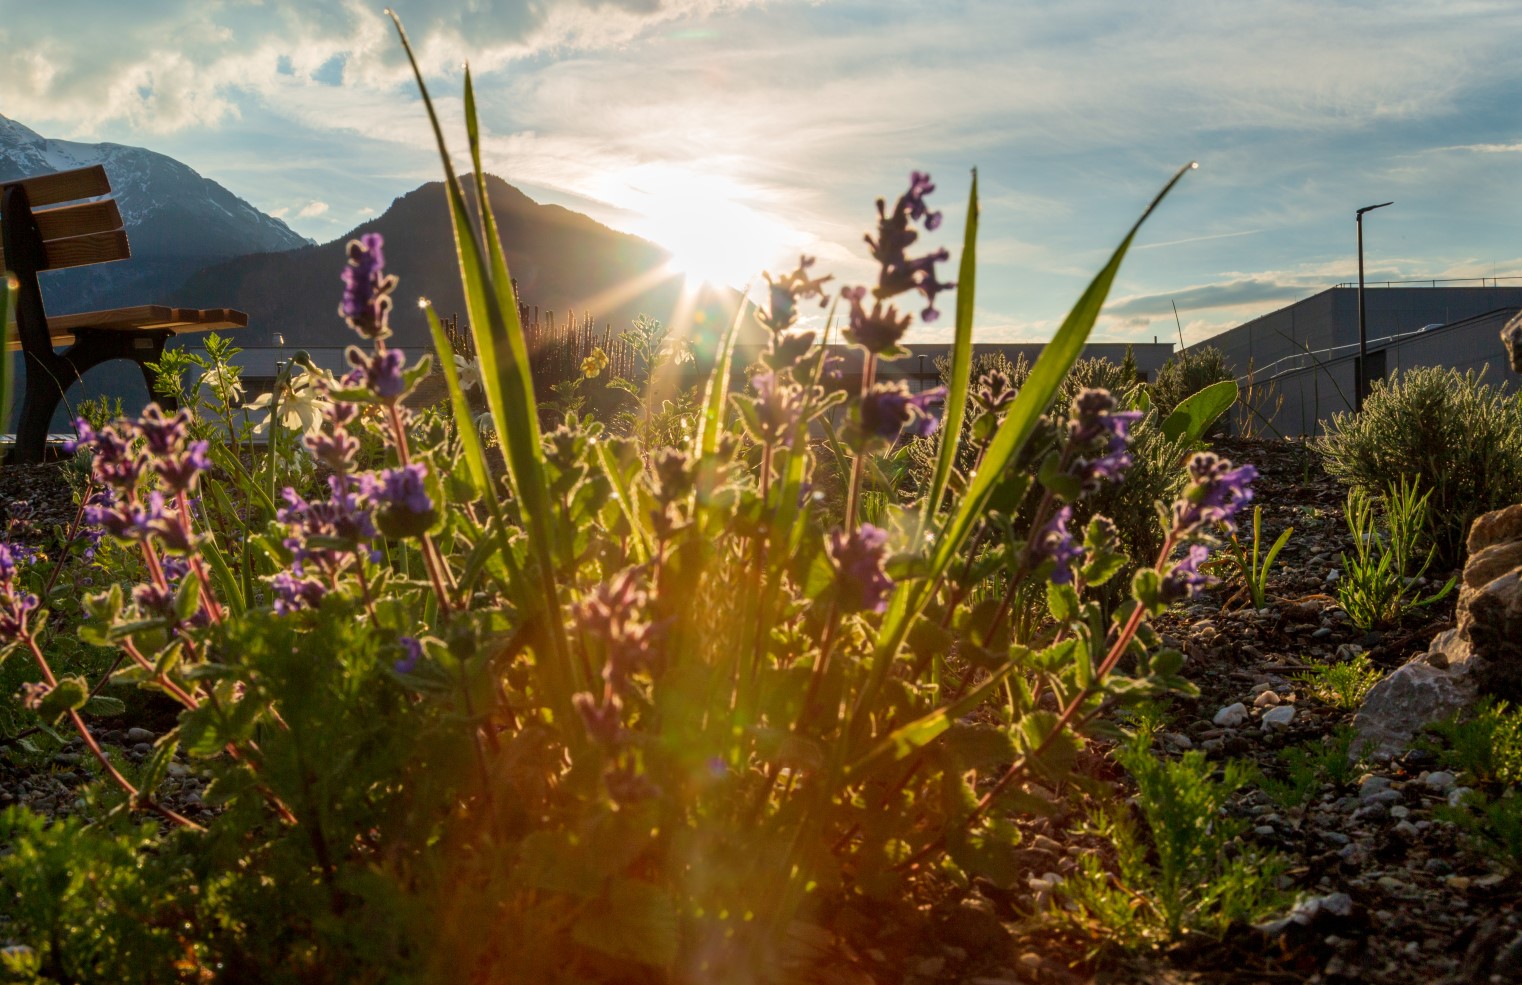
x=40 y=231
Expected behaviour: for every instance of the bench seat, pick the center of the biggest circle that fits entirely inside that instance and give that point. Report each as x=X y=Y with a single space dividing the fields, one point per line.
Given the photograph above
x=151 y=317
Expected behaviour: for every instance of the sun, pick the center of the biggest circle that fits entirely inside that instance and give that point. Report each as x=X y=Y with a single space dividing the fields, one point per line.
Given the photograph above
x=708 y=222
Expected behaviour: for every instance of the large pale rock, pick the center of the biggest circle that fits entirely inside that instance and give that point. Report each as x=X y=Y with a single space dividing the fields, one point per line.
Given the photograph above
x=1481 y=655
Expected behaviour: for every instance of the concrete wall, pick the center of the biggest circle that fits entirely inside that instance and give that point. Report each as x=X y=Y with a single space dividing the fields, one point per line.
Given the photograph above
x=1317 y=384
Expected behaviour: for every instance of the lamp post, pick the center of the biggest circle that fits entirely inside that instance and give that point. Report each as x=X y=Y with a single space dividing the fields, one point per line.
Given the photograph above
x=1361 y=380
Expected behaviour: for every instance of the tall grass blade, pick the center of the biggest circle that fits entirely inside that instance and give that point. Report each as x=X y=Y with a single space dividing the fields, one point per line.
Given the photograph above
x=961 y=365
x=498 y=334
x=470 y=440
x=717 y=394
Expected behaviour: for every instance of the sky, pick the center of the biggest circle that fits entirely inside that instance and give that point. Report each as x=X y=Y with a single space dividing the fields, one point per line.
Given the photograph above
x=741 y=133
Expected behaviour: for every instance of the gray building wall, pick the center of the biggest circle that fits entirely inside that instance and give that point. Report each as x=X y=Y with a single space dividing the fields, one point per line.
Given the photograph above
x=1306 y=353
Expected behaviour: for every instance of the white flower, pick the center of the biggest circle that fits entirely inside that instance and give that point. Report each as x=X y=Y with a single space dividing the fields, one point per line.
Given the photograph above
x=301 y=405
x=224 y=382
x=469 y=371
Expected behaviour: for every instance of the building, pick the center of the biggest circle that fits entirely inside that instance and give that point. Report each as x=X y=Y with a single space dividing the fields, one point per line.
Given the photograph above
x=1306 y=355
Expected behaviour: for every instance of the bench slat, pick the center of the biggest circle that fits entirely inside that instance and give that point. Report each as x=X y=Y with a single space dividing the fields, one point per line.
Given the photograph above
x=78 y=220
x=65 y=186
x=77 y=251
x=145 y=317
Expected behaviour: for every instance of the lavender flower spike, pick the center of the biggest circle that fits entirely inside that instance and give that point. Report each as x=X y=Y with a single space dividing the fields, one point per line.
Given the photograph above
x=1185 y=580
x=366 y=303
x=1056 y=543
x=1215 y=493
x=889 y=409
x=858 y=558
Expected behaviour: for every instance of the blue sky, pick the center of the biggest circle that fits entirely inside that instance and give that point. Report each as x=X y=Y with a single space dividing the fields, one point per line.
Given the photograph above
x=741 y=133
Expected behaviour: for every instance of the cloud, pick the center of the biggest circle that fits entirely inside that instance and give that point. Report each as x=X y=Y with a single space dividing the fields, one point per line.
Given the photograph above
x=1227 y=295
x=312 y=209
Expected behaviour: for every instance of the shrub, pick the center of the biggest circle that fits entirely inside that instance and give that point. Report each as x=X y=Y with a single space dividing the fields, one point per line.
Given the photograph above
x=1188 y=372
x=1447 y=431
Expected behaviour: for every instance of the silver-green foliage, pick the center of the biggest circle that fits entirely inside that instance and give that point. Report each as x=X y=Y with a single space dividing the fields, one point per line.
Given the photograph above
x=1450 y=432
x=1186 y=373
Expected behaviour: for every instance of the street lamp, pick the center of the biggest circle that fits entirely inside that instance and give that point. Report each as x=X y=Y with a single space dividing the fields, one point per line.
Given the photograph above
x=1361 y=379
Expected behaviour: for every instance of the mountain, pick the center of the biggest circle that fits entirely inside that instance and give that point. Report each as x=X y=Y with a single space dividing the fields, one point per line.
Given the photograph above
x=176 y=220
x=561 y=260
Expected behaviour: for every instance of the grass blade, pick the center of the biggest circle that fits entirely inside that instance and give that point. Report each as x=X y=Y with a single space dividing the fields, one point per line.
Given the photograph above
x=500 y=346
x=7 y=292
x=961 y=366
x=712 y=421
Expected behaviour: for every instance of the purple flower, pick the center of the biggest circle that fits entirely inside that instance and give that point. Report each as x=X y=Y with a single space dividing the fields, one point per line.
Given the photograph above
x=994 y=391
x=785 y=293
x=1215 y=493
x=366 y=300
x=294 y=593
x=341 y=523
x=889 y=408
x=779 y=405
x=114 y=463
x=1096 y=422
x=413 y=655
x=382 y=373
x=164 y=435
x=15 y=603
x=898 y=272
x=336 y=451
x=858 y=559
x=603 y=722
x=179 y=468
x=877 y=331
x=401 y=489
x=615 y=613
x=1056 y=543
x=1185 y=580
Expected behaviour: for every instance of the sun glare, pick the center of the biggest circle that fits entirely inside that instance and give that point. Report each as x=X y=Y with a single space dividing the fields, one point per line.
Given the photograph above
x=705 y=221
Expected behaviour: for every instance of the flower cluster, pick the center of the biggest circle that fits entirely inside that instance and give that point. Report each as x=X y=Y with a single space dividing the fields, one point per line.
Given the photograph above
x=15 y=603
x=125 y=452
x=888 y=409
x=858 y=558
x=366 y=303
x=879 y=330
x=1101 y=436
x=1055 y=543
x=994 y=391
x=785 y=292
x=1215 y=493
x=779 y=406
x=325 y=538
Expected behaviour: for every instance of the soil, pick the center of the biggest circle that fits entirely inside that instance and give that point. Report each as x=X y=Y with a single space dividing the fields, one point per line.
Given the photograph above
x=1424 y=907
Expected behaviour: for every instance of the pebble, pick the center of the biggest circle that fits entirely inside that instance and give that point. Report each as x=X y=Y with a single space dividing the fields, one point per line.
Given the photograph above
x=1442 y=781
x=1177 y=740
x=1399 y=811
x=1266 y=699
x=1265 y=831
x=1322 y=633
x=1407 y=830
x=1457 y=794
x=1279 y=716
x=1232 y=716
x=136 y=735
x=1372 y=784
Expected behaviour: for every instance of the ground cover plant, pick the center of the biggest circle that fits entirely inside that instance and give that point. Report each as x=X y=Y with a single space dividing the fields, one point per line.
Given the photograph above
x=627 y=707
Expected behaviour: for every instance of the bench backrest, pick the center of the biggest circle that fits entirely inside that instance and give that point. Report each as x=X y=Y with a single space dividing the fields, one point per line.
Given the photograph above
x=62 y=235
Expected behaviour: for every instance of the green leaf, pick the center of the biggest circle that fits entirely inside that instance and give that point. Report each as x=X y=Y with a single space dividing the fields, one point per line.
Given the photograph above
x=158 y=764
x=961 y=365
x=635 y=921
x=1195 y=413
x=68 y=695
x=1062 y=600
x=979 y=746
x=104 y=706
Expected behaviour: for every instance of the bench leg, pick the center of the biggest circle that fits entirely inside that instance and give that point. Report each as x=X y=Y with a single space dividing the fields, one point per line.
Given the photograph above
x=38 y=403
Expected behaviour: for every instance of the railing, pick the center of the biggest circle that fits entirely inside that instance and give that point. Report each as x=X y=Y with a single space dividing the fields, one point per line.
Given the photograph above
x=1434 y=282
x=1319 y=357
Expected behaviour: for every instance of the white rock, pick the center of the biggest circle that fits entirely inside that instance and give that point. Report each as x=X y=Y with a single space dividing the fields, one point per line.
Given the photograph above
x=1279 y=717
x=1267 y=699
x=1232 y=716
